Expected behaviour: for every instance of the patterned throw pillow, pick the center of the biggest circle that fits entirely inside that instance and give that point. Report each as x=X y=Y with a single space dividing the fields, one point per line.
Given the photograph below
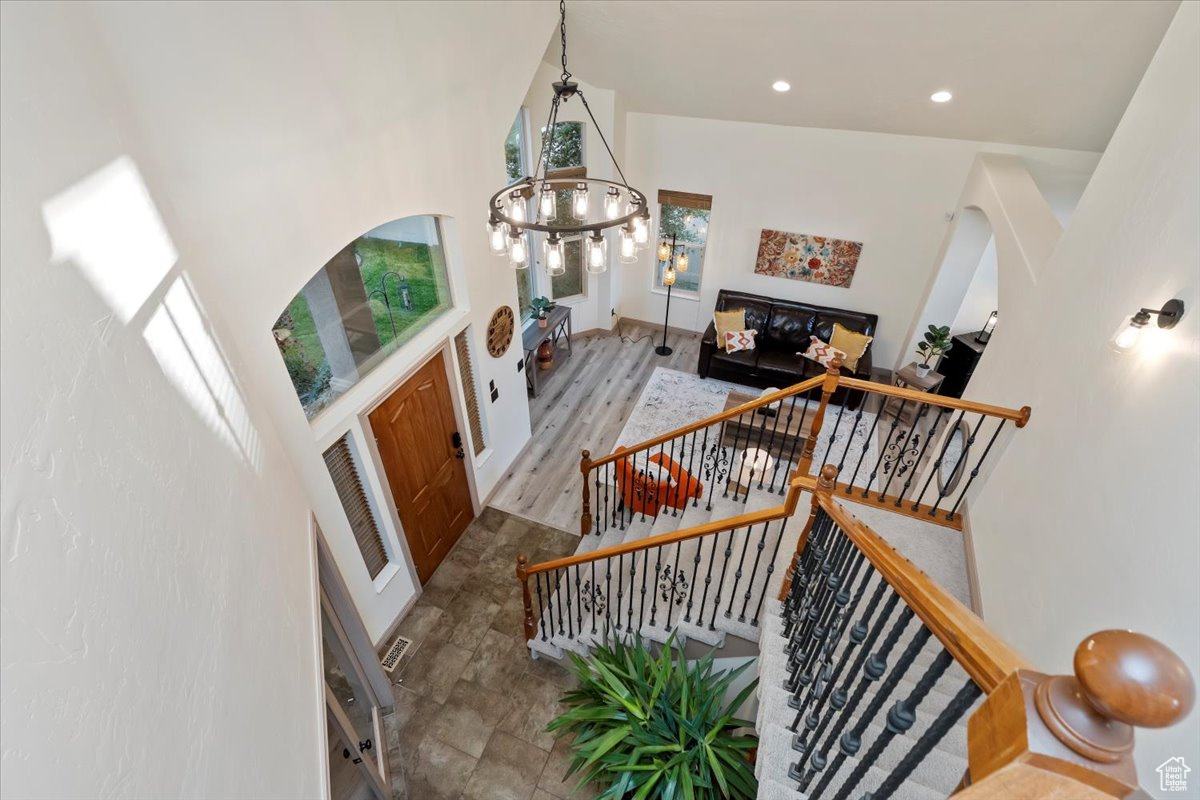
x=726 y=321
x=740 y=340
x=821 y=352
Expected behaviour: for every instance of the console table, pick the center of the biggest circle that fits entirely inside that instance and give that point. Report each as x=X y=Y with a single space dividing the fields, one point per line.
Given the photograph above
x=558 y=327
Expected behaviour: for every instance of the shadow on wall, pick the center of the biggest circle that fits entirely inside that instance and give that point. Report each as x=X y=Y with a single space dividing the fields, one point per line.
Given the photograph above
x=109 y=227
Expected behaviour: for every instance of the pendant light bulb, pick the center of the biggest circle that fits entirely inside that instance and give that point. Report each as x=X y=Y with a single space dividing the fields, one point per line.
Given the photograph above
x=518 y=252
x=664 y=251
x=516 y=207
x=612 y=203
x=626 y=247
x=597 y=253
x=641 y=231
x=681 y=263
x=555 y=258
x=547 y=205
x=669 y=276
x=579 y=202
x=1130 y=332
x=497 y=237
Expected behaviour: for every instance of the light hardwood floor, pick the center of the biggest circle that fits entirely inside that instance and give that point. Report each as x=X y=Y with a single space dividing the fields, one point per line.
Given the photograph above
x=584 y=406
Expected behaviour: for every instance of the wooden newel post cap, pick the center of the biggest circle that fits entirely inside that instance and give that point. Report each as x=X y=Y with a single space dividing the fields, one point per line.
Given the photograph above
x=522 y=563
x=835 y=364
x=828 y=478
x=1134 y=679
x=1122 y=680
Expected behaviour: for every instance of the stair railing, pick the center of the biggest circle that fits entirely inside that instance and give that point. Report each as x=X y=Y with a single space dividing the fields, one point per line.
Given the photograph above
x=910 y=452
x=853 y=603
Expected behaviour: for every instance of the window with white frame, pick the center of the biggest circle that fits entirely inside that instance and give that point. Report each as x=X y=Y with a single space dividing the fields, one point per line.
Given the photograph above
x=685 y=215
x=516 y=164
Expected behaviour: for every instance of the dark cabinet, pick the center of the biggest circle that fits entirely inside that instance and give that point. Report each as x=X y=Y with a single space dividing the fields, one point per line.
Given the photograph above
x=959 y=364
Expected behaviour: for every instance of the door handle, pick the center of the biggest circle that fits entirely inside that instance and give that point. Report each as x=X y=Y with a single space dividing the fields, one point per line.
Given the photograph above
x=457 y=443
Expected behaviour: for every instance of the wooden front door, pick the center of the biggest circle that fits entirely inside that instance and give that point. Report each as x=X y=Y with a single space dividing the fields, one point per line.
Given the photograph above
x=423 y=457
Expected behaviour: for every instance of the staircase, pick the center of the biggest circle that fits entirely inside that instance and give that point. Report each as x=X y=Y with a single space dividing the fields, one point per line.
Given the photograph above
x=868 y=671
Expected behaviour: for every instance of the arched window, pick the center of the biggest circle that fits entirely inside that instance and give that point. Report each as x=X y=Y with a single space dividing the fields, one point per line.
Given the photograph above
x=368 y=300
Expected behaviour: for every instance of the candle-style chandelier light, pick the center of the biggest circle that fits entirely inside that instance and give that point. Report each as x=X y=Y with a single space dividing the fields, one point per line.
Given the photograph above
x=597 y=205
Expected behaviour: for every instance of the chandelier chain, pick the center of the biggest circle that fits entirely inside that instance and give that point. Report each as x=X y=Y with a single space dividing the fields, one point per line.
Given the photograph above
x=562 y=29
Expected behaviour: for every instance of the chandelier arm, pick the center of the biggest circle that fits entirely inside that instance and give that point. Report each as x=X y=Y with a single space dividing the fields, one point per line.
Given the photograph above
x=596 y=125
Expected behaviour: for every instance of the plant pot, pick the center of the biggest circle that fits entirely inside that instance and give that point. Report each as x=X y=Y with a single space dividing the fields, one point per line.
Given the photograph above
x=545 y=355
x=543 y=322
x=923 y=370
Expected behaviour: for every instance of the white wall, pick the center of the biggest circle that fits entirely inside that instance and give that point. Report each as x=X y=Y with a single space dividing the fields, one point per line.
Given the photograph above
x=891 y=193
x=981 y=296
x=1090 y=519
x=317 y=123
x=158 y=616
x=157 y=601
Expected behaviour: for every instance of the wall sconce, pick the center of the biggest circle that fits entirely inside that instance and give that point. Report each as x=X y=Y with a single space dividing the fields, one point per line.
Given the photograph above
x=989 y=326
x=1127 y=336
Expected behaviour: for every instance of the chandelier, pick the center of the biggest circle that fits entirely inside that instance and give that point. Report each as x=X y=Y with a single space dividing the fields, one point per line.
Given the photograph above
x=597 y=205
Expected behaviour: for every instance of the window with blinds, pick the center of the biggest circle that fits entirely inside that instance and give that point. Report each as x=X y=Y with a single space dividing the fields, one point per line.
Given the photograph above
x=466 y=372
x=339 y=460
x=685 y=216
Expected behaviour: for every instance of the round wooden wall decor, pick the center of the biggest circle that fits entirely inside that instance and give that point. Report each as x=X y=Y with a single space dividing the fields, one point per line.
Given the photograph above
x=500 y=331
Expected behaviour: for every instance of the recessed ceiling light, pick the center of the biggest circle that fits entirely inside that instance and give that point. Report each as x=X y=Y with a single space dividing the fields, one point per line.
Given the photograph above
x=941 y=96
x=781 y=86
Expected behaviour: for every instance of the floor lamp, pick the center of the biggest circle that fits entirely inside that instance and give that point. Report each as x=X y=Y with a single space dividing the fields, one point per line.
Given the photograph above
x=671 y=262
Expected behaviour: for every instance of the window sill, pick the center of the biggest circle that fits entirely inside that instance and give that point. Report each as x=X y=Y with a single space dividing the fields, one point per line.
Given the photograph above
x=686 y=294
x=384 y=578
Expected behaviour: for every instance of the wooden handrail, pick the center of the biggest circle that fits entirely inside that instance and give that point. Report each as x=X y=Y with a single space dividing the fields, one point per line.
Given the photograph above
x=1017 y=415
x=758 y=402
x=986 y=658
x=798 y=485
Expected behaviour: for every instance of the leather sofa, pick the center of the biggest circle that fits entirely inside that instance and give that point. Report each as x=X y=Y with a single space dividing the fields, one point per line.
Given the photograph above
x=784 y=328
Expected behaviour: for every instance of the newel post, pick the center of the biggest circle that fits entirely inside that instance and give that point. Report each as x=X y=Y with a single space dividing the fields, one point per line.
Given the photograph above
x=828 y=387
x=585 y=517
x=523 y=577
x=1081 y=726
x=825 y=485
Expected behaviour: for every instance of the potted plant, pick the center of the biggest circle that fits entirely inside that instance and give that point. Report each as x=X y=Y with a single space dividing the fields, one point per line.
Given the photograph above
x=541 y=305
x=937 y=343
x=656 y=726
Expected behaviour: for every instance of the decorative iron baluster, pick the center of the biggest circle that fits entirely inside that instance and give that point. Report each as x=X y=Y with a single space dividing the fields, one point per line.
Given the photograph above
x=825 y=588
x=687 y=614
x=901 y=716
x=632 y=581
x=786 y=427
x=594 y=603
x=796 y=440
x=850 y=439
x=895 y=422
x=762 y=592
x=598 y=515
x=912 y=429
x=930 y=436
x=733 y=457
x=683 y=506
x=828 y=630
x=654 y=591
x=866 y=440
x=703 y=453
x=712 y=557
x=737 y=576
x=975 y=471
x=806 y=580
x=620 y=585
x=570 y=618
x=933 y=468
x=541 y=609
x=832 y=434
x=675 y=578
x=645 y=572
x=558 y=596
x=673 y=487
x=937 y=730
x=809 y=639
x=758 y=551
x=770 y=442
x=942 y=492
x=851 y=741
x=762 y=431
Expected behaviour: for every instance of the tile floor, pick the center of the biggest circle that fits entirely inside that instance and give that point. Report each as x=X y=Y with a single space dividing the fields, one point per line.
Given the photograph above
x=471 y=706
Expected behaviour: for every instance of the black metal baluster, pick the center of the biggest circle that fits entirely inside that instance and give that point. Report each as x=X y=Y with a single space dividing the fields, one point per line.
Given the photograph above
x=849 y=743
x=823 y=593
x=806 y=580
x=703 y=455
x=920 y=412
x=883 y=450
x=595 y=592
x=642 y=608
x=737 y=576
x=812 y=633
x=849 y=439
x=733 y=459
x=933 y=469
x=975 y=471
x=758 y=551
x=570 y=616
x=762 y=431
x=766 y=584
x=687 y=487
x=632 y=581
x=901 y=716
x=597 y=516
x=796 y=441
x=607 y=520
x=541 y=609
x=771 y=441
x=657 y=582
x=721 y=582
x=673 y=486
x=942 y=492
x=832 y=434
x=936 y=731
x=829 y=629
x=620 y=585
x=687 y=614
x=865 y=442
x=787 y=424
x=674 y=583
x=712 y=557
x=558 y=596
x=930 y=435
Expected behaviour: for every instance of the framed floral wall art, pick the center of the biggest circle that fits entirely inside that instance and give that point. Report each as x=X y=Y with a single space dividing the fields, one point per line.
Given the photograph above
x=803 y=257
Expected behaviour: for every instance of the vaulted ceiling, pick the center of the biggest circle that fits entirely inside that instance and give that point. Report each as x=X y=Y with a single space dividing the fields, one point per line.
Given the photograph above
x=1049 y=73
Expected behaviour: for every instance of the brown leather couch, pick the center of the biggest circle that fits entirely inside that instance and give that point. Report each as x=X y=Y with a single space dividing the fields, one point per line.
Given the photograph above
x=784 y=328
